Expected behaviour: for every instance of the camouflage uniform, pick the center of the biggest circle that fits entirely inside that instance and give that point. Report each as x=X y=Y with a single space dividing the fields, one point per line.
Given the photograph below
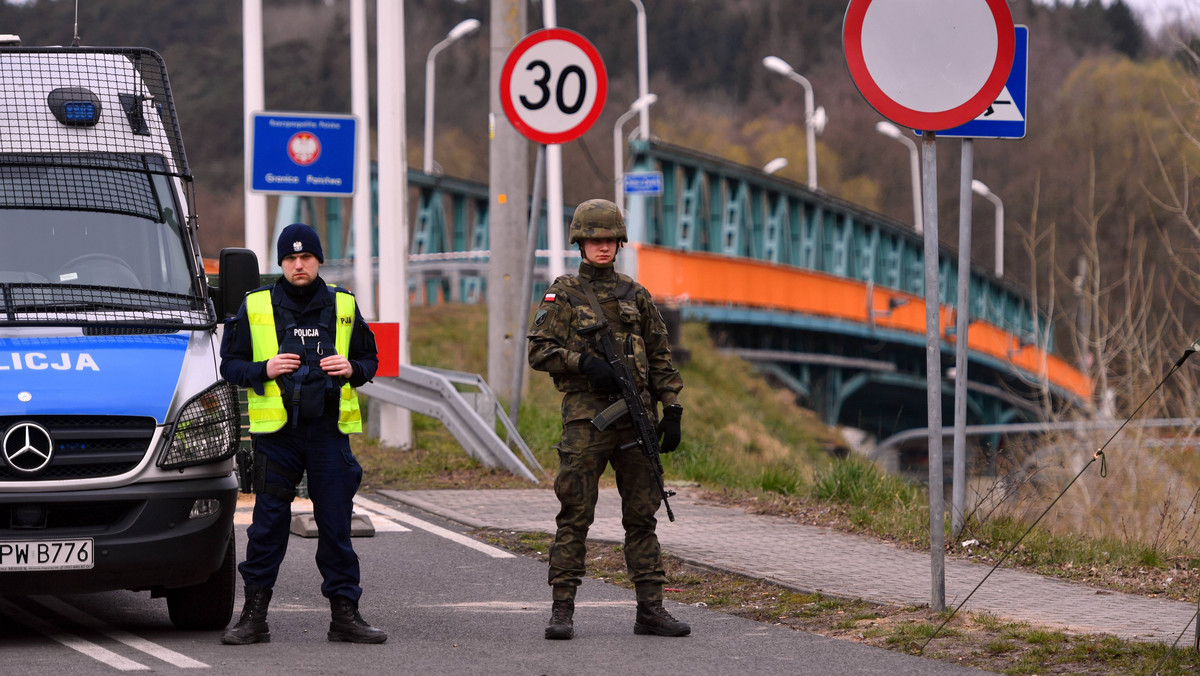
x=555 y=346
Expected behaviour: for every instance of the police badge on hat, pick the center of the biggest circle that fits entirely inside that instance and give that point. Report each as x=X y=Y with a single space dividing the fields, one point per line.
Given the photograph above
x=297 y=245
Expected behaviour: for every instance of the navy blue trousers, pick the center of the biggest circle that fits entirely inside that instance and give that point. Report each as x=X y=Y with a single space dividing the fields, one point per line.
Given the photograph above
x=333 y=478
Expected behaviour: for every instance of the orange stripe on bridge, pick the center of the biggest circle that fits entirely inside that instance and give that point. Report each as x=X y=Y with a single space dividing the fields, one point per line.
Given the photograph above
x=723 y=280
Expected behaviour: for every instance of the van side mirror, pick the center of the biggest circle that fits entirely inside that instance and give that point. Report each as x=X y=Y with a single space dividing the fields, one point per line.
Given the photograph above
x=238 y=275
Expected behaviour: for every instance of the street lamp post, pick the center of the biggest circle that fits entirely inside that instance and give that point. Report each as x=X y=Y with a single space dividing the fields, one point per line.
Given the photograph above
x=892 y=131
x=979 y=188
x=643 y=71
x=638 y=106
x=462 y=30
x=778 y=65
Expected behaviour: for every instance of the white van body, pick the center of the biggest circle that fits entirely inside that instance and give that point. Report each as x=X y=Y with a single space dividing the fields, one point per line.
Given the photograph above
x=117 y=430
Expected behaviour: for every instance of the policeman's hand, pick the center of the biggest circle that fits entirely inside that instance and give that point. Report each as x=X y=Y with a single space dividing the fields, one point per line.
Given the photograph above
x=599 y=373
x=284 y=362
x=669 y=428
x=337 y=366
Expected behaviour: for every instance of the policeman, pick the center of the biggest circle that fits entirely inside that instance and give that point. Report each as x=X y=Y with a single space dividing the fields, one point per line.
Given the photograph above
x=300 y=348
x=589 y=385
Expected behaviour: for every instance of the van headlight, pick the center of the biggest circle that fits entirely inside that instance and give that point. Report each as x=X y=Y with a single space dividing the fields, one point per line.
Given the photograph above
x=208 y=429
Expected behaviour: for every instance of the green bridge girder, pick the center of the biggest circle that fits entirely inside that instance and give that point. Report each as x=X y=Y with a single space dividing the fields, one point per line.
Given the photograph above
x=712 y=205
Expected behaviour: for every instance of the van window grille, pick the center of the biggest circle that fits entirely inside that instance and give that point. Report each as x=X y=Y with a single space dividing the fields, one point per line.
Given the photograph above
x=134 y=112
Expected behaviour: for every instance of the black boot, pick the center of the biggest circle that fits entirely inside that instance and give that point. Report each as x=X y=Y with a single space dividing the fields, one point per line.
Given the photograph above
x=652 y=618
x=252 y=626
x=347 y=625
x=562 y=626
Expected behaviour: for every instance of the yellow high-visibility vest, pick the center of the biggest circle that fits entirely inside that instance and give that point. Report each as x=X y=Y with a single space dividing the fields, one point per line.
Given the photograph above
x=266 y=411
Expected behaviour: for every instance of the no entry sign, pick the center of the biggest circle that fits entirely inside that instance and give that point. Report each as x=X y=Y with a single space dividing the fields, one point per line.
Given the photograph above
x=929 y=64
x=553 y=85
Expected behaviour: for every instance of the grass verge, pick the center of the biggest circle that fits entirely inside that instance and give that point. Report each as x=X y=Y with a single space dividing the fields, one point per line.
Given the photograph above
x=980 y=641
x=750 y=445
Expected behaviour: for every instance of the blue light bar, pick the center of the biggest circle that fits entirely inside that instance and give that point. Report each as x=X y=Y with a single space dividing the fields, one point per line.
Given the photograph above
x=80 y=112
x=74 y=106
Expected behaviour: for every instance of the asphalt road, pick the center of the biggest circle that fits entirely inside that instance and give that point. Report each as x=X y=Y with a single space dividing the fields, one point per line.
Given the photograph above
x=451 y=606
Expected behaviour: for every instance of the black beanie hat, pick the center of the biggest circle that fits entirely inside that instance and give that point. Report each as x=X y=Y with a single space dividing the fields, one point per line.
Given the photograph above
x=299 y=238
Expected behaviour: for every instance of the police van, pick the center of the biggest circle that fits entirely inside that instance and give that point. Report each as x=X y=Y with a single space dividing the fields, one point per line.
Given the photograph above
x=117 y=430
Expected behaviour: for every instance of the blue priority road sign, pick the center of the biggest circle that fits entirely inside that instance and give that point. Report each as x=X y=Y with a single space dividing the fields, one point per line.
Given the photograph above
x=644 y=183
x=303 y=154
x=1005 y=118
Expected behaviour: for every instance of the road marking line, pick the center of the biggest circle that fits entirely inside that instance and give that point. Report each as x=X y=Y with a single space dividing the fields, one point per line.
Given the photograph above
x=383 y=524
x=70 y=640
x=436 y=530
x=136 y=642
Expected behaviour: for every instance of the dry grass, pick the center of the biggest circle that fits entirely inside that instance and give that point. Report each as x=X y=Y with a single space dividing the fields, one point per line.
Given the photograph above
x=980 y=641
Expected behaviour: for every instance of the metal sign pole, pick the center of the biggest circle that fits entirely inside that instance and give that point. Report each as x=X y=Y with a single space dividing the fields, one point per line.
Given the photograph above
x=958 y=490
x=933 y=375
x=535 y=212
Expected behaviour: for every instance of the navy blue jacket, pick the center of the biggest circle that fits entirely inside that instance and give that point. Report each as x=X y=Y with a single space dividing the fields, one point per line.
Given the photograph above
x=237 y=349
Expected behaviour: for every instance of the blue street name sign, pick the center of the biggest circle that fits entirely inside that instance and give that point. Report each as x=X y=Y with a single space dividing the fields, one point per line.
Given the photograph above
x=299 y=153
x=1005 y=118
x=644 y=183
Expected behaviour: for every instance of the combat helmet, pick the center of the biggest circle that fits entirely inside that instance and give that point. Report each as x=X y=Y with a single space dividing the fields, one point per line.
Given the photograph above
x=597 y=219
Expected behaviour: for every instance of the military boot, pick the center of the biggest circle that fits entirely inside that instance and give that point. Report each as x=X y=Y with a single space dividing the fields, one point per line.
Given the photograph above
x=562 y=626
x=252 y=626
x=652 y=618
x=347 y=625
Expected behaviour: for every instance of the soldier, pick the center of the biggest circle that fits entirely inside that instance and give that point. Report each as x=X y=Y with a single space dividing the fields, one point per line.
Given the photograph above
x=589 y=385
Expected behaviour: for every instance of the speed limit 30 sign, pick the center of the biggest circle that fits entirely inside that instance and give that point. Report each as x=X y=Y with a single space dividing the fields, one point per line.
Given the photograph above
x=553 y=85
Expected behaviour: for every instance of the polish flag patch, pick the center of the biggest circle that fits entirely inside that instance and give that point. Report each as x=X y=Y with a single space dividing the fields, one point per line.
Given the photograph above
x=549 y=297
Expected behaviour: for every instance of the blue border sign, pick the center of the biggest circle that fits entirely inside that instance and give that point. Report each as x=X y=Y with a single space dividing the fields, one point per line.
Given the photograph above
x=1005 y=118
x=303 y=154
x=643 y=183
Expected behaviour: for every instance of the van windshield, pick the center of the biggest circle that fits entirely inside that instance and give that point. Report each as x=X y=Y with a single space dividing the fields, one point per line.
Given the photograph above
x=76 y=225
x=107 y=237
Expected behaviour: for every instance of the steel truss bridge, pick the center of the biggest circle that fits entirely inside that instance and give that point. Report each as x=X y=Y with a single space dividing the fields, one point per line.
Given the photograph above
x=823 y=295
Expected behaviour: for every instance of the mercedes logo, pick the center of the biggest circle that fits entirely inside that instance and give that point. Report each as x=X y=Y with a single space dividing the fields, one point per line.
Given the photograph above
x=28 y=447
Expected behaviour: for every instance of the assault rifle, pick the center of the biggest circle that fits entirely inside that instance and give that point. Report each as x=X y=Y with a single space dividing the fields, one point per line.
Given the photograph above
x=631 y=404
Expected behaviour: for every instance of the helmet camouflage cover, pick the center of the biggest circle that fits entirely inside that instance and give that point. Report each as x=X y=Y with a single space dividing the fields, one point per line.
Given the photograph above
x=597 y=219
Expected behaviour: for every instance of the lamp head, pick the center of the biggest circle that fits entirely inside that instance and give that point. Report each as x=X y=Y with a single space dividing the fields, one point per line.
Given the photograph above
x=979 y=188
x=820 y=119
x=774 y=165
x=644 y=102
x=887 y=129
x=463 y=29
x=778 y=65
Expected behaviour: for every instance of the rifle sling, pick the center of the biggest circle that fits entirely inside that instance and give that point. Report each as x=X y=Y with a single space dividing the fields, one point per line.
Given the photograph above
x=595 y=303
x=620 y=408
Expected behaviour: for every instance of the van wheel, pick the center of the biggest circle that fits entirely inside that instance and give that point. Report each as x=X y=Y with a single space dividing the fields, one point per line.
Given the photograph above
x=208 y=605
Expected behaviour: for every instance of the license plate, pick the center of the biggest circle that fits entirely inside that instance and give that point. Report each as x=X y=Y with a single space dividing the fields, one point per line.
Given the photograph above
x=46 y=555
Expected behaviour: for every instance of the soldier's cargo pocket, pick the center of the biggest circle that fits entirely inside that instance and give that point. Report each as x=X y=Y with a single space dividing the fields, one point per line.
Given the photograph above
x=569 y=483
x=634 y=345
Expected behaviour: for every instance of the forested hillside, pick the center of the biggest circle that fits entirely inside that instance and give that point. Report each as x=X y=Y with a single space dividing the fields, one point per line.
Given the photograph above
x=1103 y=183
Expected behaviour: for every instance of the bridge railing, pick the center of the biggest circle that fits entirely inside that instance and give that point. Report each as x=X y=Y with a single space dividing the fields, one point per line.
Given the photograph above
x=712 y=205
x=757 y=227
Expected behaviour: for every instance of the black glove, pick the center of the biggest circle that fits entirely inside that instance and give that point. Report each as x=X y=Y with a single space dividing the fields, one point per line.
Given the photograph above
x=599 y=373
x=669 y=428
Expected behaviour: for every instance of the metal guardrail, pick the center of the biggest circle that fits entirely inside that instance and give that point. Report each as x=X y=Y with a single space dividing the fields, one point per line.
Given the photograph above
x=432 y=392
x=894 y=441
x=477 y=381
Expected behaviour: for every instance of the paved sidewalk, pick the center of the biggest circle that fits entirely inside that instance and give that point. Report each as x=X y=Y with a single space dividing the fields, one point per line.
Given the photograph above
x=818 y=559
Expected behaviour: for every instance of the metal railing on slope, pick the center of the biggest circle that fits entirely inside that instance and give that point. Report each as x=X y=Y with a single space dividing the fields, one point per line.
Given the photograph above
x=432 y=392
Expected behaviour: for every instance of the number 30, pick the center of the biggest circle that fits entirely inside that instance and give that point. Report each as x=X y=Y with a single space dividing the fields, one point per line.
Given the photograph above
x=544 y=80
